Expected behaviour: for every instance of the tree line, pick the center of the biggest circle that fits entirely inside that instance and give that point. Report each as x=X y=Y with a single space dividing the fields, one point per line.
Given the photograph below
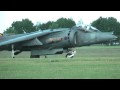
x=26 y=25
x=103 y=24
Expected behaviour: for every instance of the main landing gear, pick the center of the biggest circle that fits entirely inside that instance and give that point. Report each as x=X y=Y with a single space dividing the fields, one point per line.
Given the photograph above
x=70 y=53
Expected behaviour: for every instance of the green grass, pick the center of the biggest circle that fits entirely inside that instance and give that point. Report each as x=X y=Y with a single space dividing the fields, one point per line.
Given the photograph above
x=94 y=62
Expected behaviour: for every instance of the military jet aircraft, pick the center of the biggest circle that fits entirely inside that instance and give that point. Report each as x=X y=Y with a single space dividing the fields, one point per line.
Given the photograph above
x=54 y=41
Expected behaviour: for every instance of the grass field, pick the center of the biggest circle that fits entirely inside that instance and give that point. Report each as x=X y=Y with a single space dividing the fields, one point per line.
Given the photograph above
x=92 y=62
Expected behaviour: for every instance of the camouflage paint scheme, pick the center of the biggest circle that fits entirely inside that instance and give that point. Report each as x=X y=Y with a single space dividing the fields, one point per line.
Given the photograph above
x=56 y=41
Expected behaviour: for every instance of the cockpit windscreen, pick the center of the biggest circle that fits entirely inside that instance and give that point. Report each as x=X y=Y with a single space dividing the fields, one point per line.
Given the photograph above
x=88 y=28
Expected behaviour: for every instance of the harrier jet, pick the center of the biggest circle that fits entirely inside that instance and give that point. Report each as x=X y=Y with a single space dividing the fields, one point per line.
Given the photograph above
x=54 y=41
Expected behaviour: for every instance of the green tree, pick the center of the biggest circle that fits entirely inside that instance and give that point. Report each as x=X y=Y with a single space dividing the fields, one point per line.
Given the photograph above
x=65 y=23
x=38 y=26
x=26 y=25
x=107 y=25
x=19 y=27
x=44 y=26
x=9 y=30
x=60 y=23
x=54 y=25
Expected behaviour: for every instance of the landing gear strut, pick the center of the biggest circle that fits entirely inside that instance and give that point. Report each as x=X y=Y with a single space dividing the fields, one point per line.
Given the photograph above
x=12 y=54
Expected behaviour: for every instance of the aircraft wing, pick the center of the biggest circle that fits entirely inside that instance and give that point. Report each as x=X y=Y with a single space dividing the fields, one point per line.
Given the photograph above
x=29 y=38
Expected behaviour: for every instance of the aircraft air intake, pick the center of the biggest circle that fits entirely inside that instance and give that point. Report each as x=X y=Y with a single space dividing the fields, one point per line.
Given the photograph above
x=73 y=37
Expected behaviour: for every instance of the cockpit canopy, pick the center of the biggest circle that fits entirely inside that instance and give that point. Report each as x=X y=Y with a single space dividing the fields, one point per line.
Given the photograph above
x=1 y=34
x=88 y=28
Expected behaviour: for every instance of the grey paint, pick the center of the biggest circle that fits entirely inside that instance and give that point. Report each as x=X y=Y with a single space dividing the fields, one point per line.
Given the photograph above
x=54 y=41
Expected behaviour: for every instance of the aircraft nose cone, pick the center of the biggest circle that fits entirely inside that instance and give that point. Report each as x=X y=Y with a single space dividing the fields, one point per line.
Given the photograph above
x=111 y=37
x=106 y=36
x=114 y=37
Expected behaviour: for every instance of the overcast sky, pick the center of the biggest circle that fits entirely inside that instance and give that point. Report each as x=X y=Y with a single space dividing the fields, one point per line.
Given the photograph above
x=8 y=17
